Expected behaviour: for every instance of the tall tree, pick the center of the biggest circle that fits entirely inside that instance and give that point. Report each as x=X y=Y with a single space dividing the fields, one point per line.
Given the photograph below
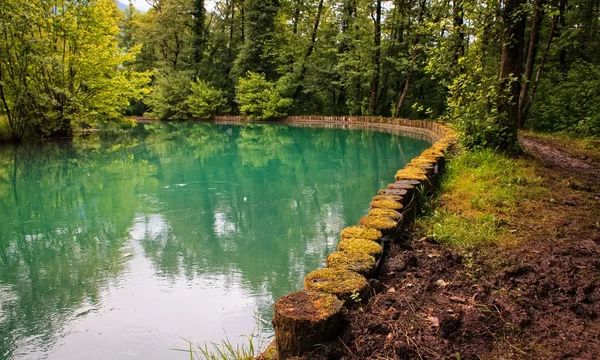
x=511 y=65
x=534 y=37
x=376 y=58
x=256 y=53
x=198 y=31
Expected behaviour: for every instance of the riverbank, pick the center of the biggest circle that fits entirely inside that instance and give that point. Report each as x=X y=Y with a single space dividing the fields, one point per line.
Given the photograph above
x=505 y=264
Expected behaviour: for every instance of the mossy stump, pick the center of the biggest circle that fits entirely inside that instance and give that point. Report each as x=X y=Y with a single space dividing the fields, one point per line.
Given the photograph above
x=304 y=319
x=411 y=173
x=354 y=261
x=361 y=232
x=339 y=282
x=395 y=198
x=393 y=192
x=362 y=246
x=386 y=204
x=392 y=214
x=387 y=226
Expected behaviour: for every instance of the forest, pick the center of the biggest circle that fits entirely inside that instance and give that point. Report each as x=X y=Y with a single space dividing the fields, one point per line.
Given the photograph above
x=488 y=66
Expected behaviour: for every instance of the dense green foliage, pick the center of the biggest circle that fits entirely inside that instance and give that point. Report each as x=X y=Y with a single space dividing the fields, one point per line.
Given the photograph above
x=61 y=66
x=205 y=101
x=260 y=99
x=490 y=66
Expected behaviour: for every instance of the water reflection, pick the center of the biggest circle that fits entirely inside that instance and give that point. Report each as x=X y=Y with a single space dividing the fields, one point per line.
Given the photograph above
x=127 y=243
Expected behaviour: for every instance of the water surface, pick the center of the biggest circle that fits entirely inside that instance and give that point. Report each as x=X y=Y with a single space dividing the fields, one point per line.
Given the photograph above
x=118 y=247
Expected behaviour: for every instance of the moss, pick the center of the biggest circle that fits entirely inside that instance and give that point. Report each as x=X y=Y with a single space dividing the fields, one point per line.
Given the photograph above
x=307 y=305
x=270 y=353
x=387 y=197
x=354 y=261
x=382 y=223
x=361 y=232
x=392 y=214
x=423 y=161
x=361 y=246
x=339 y=282
x=386 y=204
x=411 y=173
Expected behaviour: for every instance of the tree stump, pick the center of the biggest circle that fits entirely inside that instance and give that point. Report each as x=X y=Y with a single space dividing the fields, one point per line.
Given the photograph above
x=386 y=225
x=304 y=319
x=358 y=262
x=340 y=282
x=361 y=232
x=361 y=246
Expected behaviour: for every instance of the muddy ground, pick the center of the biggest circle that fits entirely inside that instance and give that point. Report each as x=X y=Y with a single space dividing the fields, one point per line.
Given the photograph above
x=537 y=300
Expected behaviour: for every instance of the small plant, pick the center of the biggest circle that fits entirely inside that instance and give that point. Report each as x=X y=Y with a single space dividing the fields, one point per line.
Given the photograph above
x=355 y=297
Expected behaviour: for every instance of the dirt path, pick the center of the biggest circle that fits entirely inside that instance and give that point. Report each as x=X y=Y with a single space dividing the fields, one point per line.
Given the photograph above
x=537 y=300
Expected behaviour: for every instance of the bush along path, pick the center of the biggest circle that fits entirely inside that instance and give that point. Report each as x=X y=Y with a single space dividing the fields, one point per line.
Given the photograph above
x=505 y=264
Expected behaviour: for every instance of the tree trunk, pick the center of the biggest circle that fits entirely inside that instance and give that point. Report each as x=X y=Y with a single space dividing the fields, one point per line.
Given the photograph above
x=400 y=104
x=376 y=60
x=534 y=38
x=309 y=51
x=511 y=65
x=243 y=13
x=457 y=25
x=562 y=55
x=409 y=77
x=541 y=67
x=296 y=17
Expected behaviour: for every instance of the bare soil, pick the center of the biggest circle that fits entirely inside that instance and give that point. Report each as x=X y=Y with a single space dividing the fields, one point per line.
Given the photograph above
x=539 y=299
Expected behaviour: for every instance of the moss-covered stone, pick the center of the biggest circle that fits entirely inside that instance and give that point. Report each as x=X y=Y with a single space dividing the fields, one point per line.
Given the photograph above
x=339 y=282
x=392 y=214
x=386 y=204
x=361 y=232
x=384 y=224
x=361 y=246
x=354 y=261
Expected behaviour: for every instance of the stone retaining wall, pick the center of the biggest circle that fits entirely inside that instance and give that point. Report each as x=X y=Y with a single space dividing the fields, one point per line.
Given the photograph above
x=312 y=316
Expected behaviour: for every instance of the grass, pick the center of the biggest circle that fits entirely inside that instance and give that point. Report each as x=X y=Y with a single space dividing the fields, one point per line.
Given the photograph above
x=480 y=191
x=226 y=350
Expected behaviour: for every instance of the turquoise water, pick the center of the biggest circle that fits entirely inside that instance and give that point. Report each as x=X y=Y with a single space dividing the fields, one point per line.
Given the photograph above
x=119 y=247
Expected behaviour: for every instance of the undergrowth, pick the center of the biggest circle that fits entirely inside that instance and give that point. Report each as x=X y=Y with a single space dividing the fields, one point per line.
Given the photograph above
x=251 y=347
x=479 y=192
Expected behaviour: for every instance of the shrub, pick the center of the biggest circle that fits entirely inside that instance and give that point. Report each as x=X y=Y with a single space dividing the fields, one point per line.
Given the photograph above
x=169 y=94
x=205 y=101
x=569 y=103
x=260 y=99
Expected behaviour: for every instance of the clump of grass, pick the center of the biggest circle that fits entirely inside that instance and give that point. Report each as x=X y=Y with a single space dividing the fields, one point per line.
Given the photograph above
x=226 y=350
x=479 y=192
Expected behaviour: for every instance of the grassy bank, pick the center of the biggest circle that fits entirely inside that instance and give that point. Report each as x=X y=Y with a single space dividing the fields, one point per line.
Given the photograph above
x=480 y=192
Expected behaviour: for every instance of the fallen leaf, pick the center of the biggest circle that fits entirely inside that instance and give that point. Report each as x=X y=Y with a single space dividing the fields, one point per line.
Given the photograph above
x=392 y=290
x=435 y=322
x=441 y=283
